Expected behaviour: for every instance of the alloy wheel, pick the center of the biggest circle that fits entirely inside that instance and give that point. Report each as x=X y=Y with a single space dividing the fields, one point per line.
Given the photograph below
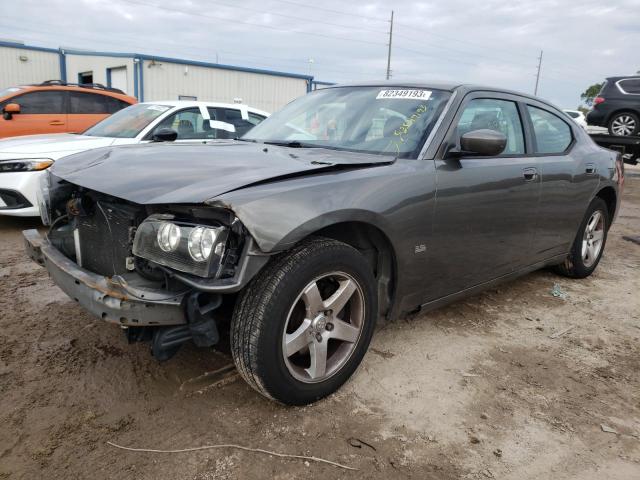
x=623 y=125
x=593 y=238
x=323 y=327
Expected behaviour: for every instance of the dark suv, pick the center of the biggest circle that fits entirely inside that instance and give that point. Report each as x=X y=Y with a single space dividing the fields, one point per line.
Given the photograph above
x=617 y=106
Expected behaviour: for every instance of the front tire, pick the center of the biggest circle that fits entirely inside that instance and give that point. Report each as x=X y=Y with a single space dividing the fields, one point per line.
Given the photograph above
x=589 y=243
x=624 y=124
x=302 y=326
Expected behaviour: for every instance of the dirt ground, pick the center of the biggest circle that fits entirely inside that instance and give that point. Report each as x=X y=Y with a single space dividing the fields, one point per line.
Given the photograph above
x=484 y=388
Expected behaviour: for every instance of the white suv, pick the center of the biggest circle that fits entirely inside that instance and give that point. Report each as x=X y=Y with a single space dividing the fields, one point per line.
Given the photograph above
x=23 y=159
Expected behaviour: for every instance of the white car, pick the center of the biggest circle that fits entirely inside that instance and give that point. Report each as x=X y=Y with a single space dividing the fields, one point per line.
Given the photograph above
x=23 y=159
x=577 y=117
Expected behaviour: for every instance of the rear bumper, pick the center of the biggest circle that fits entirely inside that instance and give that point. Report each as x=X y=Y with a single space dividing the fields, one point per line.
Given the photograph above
x=110 y=299
x=597 y=118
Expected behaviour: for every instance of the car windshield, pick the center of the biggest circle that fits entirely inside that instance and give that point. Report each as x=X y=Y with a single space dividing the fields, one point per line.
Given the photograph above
x=379 y=120
x=128 y=122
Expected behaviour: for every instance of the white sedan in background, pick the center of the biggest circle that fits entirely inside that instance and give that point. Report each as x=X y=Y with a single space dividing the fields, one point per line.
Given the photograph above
x=23 y=159
x=578 y=117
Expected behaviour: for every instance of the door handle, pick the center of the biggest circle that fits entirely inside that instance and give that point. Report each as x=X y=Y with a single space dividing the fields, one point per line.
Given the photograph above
x=56 y=122
x=590 y=169
x=530 y=174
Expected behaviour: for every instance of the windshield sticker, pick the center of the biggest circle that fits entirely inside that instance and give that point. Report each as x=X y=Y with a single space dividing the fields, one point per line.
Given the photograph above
x=158 y=108
x=404 y=94
x=401 y=132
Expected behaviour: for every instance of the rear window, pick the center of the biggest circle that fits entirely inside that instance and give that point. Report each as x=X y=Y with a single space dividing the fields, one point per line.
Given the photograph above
x=94 y=103
x=572 y=114
x=553 y=135
x=630 y=85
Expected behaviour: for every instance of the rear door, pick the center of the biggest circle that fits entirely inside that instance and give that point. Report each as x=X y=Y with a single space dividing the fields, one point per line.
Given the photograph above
x=42 y=111
x=569 y=179
x=486 y=207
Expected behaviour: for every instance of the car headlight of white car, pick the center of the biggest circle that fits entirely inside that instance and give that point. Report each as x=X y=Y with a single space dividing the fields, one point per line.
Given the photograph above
x=183 y=246
x=25 y=165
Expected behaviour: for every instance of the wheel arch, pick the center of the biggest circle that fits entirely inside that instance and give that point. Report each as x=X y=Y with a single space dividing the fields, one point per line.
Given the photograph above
x=378 y=250
x=609 y=195
x=622 y=110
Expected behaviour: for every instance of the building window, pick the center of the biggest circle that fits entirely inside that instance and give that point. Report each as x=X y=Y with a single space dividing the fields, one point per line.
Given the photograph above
x=85 y=78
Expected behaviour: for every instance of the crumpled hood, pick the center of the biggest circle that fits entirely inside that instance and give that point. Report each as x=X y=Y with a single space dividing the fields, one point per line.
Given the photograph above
x=51 y=145
x=192 y=173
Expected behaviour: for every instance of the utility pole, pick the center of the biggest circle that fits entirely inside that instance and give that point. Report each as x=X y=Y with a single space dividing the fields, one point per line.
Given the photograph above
x=389 y=51
x=535 y=92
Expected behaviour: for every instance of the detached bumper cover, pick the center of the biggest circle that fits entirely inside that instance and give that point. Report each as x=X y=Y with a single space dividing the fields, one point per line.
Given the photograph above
x=110 y=299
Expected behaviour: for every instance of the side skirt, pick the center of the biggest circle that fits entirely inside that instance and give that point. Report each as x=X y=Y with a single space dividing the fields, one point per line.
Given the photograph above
x=434 y=304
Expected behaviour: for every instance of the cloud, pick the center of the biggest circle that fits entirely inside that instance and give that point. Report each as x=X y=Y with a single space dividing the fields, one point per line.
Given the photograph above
x=489 y=42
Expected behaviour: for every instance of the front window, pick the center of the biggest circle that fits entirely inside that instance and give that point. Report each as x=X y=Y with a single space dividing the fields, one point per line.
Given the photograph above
x=127 y=123
x=379 y=120
x=493 y=114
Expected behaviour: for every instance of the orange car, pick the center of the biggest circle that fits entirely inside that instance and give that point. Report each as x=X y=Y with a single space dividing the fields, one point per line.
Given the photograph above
x=57 y=107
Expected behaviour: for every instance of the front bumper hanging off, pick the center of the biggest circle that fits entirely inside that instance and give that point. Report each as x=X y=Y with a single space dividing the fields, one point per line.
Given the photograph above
x=111 y=299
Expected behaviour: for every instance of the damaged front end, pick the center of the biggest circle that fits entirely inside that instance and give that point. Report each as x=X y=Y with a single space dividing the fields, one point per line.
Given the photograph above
x=163 y=273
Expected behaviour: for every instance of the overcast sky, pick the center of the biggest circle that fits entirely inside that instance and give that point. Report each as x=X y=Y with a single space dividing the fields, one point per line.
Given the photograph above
x=482 y=41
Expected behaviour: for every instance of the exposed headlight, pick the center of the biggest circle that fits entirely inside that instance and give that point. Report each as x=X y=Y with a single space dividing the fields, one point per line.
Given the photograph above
x=182 y=246
x=25 y=165
x=168 y=236
x=201 y=242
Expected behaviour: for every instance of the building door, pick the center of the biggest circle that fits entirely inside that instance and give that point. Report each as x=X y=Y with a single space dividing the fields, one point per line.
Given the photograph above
x=119 y=79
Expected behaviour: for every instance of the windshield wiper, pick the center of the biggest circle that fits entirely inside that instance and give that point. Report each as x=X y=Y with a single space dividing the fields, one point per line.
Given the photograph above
x=293 y=144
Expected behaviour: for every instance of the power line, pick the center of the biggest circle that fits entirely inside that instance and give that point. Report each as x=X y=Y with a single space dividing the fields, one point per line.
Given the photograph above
x=207 y=52
x=253 y=24
x=270 y=12
x=348 y=14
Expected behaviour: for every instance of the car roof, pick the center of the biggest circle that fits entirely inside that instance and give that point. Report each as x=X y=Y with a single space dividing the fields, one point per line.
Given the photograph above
x=195 y=103
x=623 y=77
x=76 y=88
x=447 y=86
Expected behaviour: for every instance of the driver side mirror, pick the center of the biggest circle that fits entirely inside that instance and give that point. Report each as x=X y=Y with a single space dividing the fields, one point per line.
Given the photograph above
x=164 y=135
x=482 y=142
x=10 y=110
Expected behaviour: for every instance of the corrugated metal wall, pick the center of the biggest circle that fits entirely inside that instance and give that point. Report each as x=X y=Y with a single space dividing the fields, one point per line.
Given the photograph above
x=162 y=79
x=20 y=66
x=98 y=65
x=165 y=80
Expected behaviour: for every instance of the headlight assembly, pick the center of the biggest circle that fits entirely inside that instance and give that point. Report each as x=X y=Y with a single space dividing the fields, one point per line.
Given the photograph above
x=168 y=236
x=25 y=165
x=182 y=246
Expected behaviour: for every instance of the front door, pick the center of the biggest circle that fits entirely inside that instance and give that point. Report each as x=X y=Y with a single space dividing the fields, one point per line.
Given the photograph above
x=40 y=112
x=486 y=207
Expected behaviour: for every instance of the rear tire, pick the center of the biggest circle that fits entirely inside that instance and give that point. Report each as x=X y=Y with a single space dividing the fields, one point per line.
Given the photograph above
x=624 y=124
x=588 y=246
x=287 y=341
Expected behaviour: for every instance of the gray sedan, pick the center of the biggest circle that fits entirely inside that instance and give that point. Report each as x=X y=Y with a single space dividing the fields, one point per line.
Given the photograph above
x=350 y=204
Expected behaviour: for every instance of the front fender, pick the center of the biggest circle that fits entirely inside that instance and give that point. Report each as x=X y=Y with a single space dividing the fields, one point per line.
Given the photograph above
x=293 y=229
x=279 y=214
